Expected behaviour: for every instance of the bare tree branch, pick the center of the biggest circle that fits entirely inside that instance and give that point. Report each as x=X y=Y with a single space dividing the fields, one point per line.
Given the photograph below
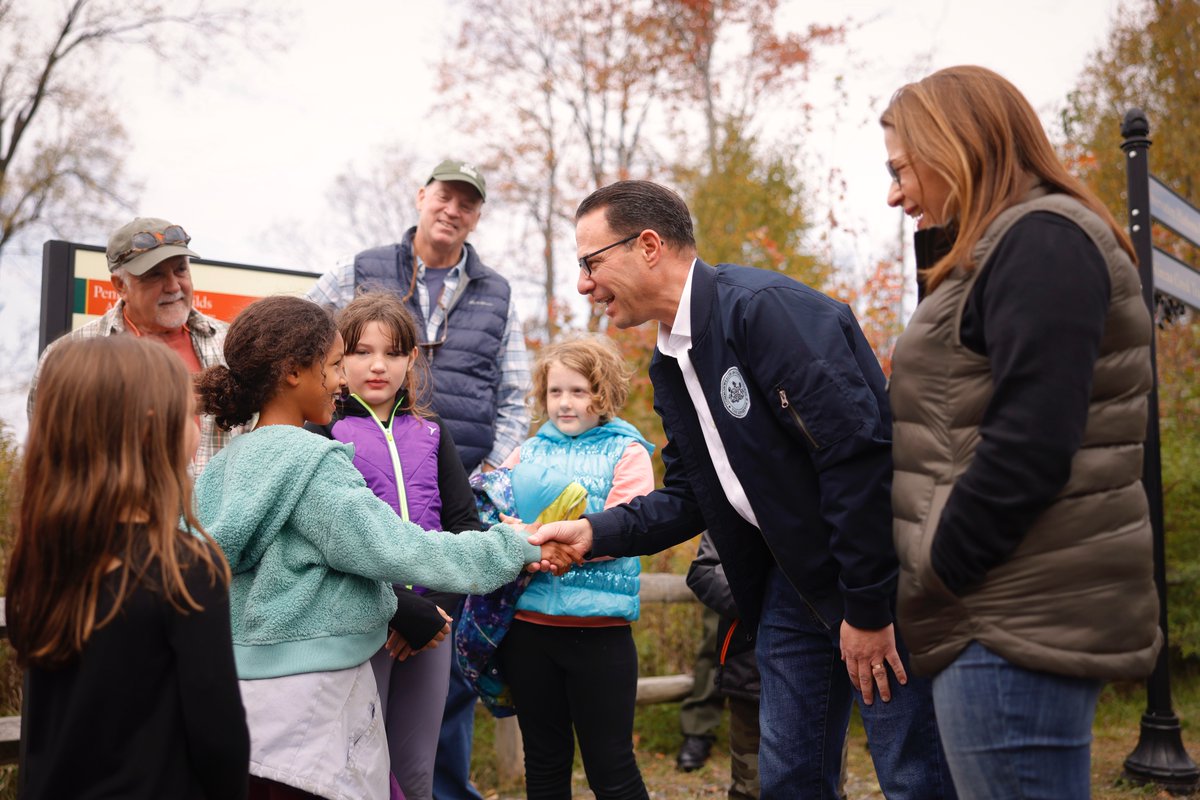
x=61 y=147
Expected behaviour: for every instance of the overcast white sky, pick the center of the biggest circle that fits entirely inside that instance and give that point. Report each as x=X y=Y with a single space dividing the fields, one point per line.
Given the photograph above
x=255 y=142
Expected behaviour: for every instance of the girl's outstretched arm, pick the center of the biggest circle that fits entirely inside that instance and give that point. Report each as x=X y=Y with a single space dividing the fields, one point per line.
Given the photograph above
x=360 y=534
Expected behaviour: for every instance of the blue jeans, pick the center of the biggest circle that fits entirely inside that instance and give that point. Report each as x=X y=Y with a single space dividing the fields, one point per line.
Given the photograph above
x=452 y=764
x=1014 y=733
x=805 y=710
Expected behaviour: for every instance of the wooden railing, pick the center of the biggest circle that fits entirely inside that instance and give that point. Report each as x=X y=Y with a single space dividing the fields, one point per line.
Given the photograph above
x=10 y=727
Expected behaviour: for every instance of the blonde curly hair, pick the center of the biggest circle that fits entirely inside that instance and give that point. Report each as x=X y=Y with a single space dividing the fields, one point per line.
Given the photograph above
x=597 y=359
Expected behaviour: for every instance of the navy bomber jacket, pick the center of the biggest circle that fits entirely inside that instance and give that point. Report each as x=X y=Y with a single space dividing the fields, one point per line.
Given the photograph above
x=800 y=404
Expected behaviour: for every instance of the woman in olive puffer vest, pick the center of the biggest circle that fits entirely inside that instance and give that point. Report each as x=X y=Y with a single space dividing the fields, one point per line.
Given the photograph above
x=1019 y=393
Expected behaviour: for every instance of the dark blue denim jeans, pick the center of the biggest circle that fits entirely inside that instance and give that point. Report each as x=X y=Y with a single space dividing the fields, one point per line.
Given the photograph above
x=1014 y=733
x=452 y=765
x=805 y=710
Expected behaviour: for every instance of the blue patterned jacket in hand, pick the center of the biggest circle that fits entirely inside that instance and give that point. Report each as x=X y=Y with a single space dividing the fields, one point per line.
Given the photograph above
x=531 y=493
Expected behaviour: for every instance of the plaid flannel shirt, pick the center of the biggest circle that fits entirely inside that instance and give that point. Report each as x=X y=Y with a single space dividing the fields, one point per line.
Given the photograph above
x=208 y=340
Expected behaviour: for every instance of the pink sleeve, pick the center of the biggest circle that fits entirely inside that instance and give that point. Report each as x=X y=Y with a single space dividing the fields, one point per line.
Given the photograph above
x=632 y=477
x=513 y=459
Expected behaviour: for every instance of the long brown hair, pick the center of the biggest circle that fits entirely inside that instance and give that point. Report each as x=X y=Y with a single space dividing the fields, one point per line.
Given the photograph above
x=979 y=133
x=105 y=489
x=386 y=309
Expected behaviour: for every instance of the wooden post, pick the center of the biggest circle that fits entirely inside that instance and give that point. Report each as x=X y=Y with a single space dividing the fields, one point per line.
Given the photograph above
x=510 y=752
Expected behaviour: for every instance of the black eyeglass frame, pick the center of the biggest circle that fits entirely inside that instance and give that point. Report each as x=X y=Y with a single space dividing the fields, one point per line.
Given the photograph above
x=583 y=260
x=893 y=170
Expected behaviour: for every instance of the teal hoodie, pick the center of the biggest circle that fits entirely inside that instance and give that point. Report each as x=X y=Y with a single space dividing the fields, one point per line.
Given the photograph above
x=313 y=553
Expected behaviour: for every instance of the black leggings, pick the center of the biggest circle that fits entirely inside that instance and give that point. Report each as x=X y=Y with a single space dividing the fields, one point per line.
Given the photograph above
x=581 y=676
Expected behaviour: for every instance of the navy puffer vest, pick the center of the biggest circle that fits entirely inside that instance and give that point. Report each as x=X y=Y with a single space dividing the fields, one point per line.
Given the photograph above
x=465 y=368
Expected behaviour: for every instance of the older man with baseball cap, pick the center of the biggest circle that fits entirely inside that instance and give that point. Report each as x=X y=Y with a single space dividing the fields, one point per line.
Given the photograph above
x=151 y=273
x=473 y=342
x=472 y=337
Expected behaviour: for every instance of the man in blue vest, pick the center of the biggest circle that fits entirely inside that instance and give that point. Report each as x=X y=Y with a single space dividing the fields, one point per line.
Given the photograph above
x=475 y=349
x=473 y=338
x=779 y=443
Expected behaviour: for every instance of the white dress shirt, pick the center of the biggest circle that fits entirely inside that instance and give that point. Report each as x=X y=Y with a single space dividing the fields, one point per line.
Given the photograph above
x=675 y=340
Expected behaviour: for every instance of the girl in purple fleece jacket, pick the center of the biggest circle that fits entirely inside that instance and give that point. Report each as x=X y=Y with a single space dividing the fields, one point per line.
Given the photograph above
x=408 y=460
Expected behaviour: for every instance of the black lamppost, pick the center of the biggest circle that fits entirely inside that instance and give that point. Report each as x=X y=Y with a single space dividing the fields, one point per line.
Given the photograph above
x=1159 y=756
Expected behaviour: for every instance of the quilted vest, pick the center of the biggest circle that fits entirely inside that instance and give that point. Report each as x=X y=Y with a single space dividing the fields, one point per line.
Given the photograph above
x=415 y=441
x=1077 y=596
x=603 y=588
x=465 y=368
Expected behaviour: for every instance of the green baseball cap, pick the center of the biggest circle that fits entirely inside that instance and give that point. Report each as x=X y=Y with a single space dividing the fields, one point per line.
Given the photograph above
x=462 y=171
x=141 y=245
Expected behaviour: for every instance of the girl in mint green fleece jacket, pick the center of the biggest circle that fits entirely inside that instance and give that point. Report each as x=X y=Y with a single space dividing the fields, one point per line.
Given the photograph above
x=313 y=553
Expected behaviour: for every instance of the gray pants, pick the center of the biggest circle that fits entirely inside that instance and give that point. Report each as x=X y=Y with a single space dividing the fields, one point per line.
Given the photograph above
x=412 y=694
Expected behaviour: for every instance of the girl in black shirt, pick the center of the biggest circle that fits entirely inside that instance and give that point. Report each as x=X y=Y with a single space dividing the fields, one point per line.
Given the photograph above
x=118 y=602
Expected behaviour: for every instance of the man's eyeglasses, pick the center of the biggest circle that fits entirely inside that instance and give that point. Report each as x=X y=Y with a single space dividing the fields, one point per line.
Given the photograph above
x=893 y=170
x=583 y=260
x=144 y=241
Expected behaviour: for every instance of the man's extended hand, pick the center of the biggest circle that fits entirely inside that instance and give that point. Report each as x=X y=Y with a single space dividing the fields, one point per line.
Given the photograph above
x=574 y=537
x=559 y=556
x=867 y=655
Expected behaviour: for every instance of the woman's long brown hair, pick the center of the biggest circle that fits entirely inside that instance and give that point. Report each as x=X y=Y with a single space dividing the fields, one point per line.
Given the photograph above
x=979 y=133
x=105 y=488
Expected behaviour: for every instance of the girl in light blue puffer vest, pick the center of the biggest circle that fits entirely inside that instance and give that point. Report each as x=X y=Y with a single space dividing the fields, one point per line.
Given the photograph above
x=569 y=656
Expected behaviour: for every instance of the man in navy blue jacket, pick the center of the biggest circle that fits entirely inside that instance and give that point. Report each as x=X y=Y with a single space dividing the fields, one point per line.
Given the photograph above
x=779 y=443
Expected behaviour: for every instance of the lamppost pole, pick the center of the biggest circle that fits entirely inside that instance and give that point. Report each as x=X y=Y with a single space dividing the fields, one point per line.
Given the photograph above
x=1160 y=756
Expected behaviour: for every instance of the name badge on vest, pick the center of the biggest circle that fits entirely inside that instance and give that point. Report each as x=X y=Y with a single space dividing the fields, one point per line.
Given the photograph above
x=734 y=393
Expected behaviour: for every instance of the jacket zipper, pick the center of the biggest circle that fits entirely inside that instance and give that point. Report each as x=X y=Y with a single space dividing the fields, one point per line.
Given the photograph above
x=401 y=495
x=796 y=589
x=398 y=470
x=787 y=406
x=728 y=639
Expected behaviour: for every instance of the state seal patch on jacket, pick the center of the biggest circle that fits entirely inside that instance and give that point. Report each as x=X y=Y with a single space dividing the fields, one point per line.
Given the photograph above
x=734 y=393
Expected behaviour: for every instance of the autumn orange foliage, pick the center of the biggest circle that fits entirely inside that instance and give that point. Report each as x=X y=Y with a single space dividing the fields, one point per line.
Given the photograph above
x=878 y=302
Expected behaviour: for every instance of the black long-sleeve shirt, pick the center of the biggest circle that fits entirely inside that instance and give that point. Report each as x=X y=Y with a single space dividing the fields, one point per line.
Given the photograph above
x=1037 y=313
x=151 y=708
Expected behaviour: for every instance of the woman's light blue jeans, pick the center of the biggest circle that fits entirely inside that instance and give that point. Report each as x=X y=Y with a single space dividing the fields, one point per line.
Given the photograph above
x=1014 y=733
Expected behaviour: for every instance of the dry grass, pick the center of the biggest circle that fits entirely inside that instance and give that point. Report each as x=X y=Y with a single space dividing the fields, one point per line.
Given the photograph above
x=656 y=735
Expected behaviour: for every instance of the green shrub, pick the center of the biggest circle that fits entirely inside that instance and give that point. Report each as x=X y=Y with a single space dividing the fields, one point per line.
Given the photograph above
x=1181 y=507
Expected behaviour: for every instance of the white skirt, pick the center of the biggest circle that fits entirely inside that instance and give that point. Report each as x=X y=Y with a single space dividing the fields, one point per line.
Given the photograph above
x=320 y=731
